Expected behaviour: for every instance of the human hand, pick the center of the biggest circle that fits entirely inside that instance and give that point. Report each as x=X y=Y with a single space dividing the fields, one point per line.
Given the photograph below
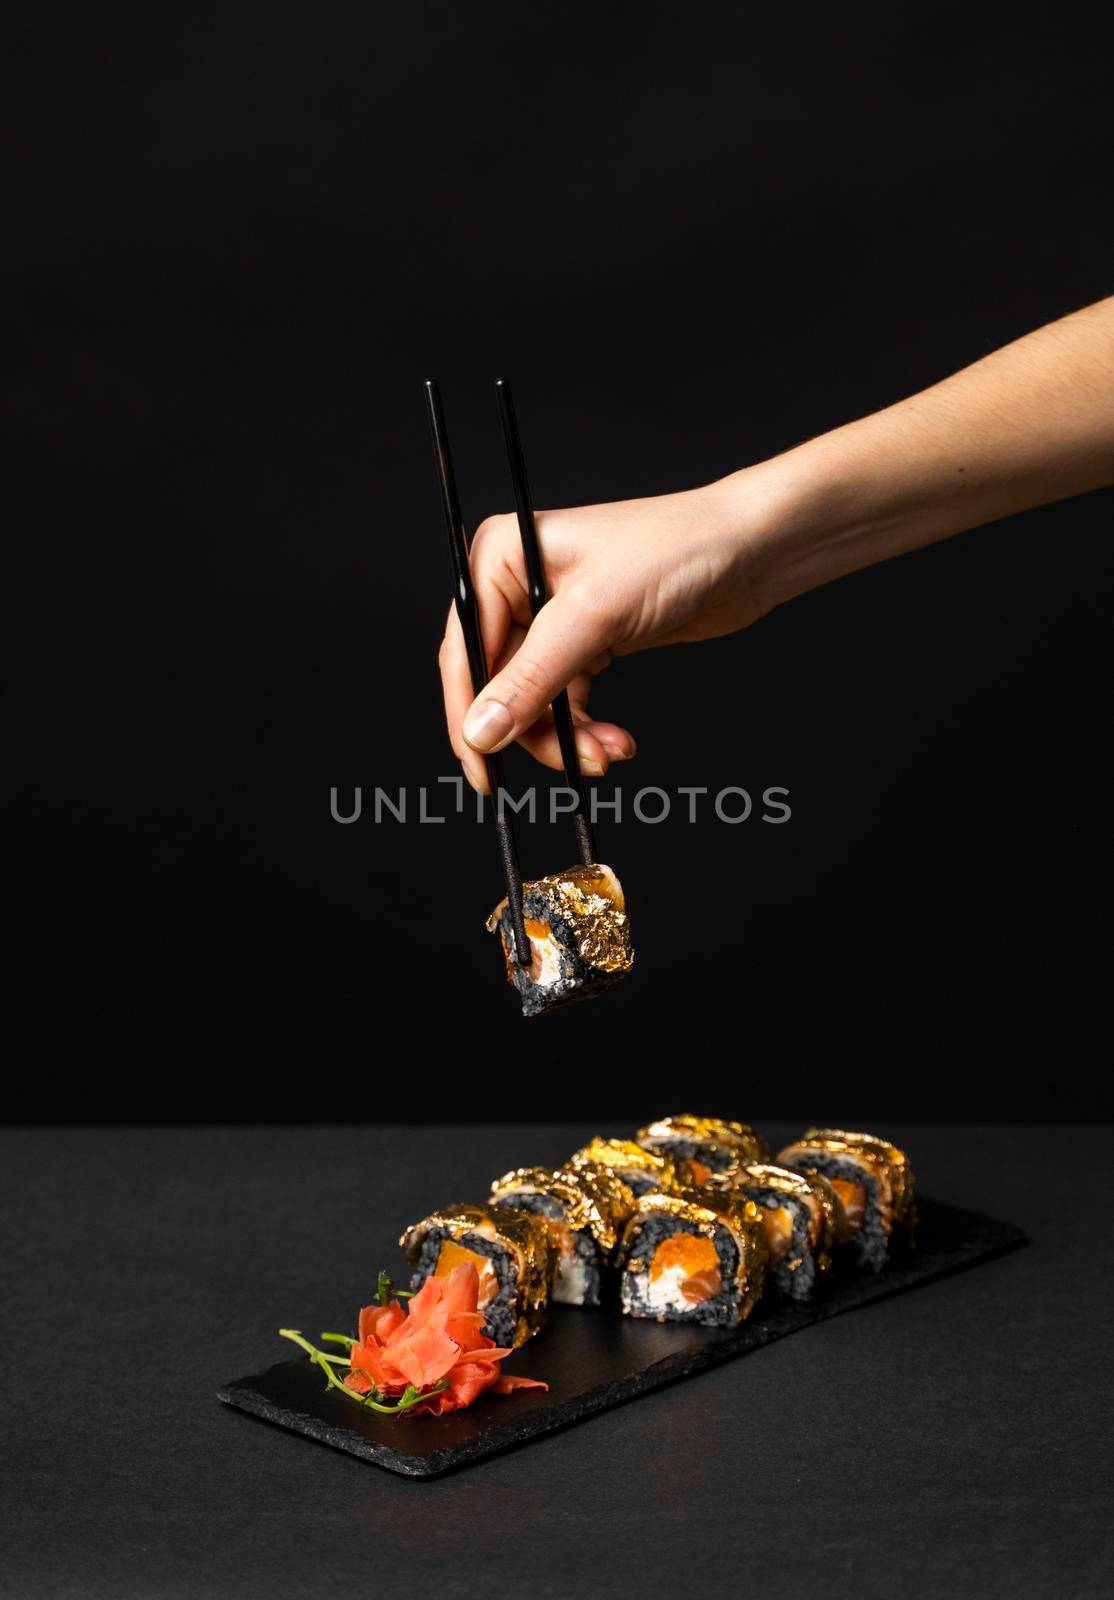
x=622 y=577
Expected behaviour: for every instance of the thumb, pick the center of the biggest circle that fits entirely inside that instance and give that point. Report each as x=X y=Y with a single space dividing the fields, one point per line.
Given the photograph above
x=563 y=638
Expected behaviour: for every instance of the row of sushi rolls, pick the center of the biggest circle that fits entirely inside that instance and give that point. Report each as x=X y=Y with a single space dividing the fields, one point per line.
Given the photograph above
x=694 y=1218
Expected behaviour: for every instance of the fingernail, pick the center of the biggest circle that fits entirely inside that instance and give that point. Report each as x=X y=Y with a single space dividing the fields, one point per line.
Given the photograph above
x=617 y=752
x=588 y=763
x=487 y=724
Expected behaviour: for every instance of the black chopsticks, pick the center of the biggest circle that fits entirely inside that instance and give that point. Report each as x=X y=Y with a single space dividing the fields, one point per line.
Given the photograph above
x=539 y=594
x=468 y=612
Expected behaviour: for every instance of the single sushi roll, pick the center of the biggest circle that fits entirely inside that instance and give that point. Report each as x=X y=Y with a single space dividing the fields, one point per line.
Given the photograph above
x=682 y=1260
x=512 y=1253
x=874 y=1186
x=709 y=1143
x=798 y=1211
x=584 y=1208
x=579 y=935
x=643 y=1171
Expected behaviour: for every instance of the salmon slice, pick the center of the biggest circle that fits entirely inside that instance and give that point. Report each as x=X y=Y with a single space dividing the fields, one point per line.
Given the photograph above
x=695 y=1256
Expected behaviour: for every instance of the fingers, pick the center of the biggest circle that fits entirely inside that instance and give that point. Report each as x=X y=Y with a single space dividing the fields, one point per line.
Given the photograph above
x=499 y=595
x=532 y=661
x=541 y=742
x=618 y=742
x=564 y=636
x=456 y=684
x=597 y=743
x=499 y=579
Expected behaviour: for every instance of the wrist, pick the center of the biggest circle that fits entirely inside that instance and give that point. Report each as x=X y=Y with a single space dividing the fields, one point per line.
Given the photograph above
x=816 y=513
x=776 y=517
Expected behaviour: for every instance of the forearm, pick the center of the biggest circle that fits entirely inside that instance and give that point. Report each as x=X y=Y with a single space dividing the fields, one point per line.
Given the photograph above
x=1031 y=423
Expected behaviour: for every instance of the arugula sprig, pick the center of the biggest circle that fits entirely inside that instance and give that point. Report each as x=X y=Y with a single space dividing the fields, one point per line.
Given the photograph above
x=387 y=1292
x=374 y=1400
x=340 y=1338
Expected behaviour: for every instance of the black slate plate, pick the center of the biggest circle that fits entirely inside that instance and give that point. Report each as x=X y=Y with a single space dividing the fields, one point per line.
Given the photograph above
x=594 y=1359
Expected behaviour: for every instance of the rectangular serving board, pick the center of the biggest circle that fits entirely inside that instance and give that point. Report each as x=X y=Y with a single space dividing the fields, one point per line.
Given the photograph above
x=593 y=1359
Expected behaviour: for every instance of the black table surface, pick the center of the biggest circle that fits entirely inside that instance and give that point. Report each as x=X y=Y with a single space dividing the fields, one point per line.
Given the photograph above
x=953 y=1440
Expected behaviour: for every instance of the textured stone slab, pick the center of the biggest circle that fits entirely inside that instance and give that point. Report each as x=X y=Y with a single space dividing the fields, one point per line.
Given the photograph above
x=595 y=1359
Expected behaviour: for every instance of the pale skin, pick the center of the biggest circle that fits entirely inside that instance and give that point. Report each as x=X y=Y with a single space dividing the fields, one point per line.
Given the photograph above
x=1029 y=424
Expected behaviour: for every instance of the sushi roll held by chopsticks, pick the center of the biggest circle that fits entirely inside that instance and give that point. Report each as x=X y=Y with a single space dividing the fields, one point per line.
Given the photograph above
x=685 y=1261
x=579 y=936
x=566 y=936
x=584 y=1208
x=512 y=1253
x=709 y=1143
x=798 y=1211
x=874 y=1185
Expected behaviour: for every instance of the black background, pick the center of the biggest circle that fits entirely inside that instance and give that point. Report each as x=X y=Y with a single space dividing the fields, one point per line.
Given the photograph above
x=241 y=237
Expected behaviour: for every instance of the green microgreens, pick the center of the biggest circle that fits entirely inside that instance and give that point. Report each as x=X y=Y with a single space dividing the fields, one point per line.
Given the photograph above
x=387 y=1292
x=374 y=1400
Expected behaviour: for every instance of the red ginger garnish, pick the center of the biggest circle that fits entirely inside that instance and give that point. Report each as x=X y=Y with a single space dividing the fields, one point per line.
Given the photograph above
x=438 y=1341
